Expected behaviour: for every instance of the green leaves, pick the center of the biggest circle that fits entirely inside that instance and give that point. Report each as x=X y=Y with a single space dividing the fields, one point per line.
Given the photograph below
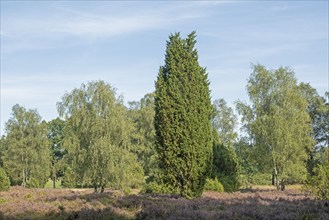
x=182 y=118
x=277 y=121
x=4 y=180
x=143 y=137
x=226 y=167
x=99 y=137
x=26 y=155
x=225 y=122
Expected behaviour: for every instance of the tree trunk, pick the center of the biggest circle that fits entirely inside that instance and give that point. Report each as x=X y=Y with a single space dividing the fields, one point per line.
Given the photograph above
x=273 y=179
x=54 y=182
x=277 y=181
x=283 y=186
x=95 y=188
x=24 y=178
x=54 y=176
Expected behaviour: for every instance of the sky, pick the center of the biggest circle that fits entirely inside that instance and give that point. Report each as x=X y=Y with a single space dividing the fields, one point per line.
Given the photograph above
x=51 y=47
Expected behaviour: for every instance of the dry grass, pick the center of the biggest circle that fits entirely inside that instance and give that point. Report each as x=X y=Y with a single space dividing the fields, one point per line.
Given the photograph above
x=257 y=203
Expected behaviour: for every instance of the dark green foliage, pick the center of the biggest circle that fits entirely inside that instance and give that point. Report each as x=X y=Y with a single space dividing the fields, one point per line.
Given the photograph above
x=319 y=113
x=318 y=184
x=225 y=162
x=158 y=188
x=2 y=148
x=56 y=134
x=226 y=167
x=214 y=185
x=4 y=180
x=182 y=118
x=318 y=180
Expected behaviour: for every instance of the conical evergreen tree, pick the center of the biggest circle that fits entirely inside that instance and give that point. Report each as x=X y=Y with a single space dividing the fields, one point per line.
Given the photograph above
x=182 y=118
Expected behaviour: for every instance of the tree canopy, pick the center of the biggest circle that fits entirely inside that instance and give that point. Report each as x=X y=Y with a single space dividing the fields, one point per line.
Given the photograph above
x=278 y=122
x=99 y=138
x=26 y=155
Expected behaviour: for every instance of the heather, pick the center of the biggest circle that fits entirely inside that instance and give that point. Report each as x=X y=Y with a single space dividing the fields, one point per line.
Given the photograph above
x=257 y=203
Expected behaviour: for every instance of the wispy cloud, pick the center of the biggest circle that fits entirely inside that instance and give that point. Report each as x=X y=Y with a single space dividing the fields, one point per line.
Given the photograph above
x=93 y=24
x=69 y=27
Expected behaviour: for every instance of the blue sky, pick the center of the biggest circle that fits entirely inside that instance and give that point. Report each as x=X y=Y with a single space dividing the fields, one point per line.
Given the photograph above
x=49 y=47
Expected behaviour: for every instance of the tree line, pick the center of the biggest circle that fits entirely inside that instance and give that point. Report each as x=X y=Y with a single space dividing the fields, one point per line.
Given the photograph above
x=175 y=140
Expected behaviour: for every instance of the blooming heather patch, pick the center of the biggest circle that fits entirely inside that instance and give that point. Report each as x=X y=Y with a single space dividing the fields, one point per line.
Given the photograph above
x=22 y=203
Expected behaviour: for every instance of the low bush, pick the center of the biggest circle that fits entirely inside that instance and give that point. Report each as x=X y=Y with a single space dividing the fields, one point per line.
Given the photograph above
x=214 y=185
x=126 y=190
x=2 y=201
x=231 y=184
x=156 y=188
x=4 y=181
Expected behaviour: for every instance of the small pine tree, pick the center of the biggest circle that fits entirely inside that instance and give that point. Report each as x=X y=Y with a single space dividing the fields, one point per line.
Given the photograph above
x=182 y=118
x=4 y=180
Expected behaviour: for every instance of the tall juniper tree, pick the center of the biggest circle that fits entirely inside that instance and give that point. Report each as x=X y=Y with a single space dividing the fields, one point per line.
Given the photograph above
x=182 y=118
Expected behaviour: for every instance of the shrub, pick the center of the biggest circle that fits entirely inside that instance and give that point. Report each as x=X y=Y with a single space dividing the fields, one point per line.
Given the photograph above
x=33 y=183
x=319 y=183
x=214 y=185
x=2 y=201
x=226 y=167
x=231 y=184
x=4 y=181
x=157 y=188
x=126 y=190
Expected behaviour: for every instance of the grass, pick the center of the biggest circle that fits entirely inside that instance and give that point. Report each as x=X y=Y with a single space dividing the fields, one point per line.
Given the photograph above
x=49 y=184
x=270 y=187
x=260 y=202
